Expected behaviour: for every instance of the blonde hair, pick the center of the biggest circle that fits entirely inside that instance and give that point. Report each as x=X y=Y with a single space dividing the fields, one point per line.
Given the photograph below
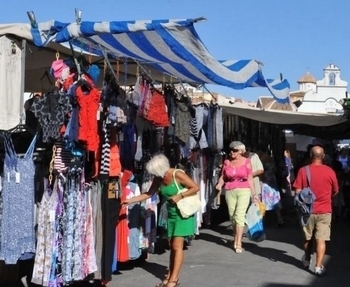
x=238 y=145
x=158 y=165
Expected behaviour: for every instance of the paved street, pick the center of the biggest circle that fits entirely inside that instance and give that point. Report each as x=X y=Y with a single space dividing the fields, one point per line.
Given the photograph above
x=275 y=262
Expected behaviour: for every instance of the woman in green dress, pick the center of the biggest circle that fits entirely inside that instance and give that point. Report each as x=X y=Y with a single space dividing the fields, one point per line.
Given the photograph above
x=178 y=227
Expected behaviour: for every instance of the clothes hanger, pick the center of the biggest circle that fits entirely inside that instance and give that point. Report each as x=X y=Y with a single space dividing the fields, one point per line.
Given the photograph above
x=22 y=128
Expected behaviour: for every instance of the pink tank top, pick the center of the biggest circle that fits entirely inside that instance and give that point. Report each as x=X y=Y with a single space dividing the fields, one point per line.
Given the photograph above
x=236 y=177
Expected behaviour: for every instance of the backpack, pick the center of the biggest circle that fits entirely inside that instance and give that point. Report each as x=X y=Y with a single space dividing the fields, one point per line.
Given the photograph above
x=304 y=200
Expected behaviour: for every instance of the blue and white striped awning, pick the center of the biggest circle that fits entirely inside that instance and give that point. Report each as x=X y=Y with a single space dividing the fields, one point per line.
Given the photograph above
x=173 y=47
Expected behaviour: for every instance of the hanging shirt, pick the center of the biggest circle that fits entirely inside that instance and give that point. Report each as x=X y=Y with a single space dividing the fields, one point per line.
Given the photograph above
x=10 y=84
x=88 y=101
x=50 y=110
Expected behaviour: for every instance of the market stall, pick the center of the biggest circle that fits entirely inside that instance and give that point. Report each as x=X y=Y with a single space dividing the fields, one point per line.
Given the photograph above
x=105 y=103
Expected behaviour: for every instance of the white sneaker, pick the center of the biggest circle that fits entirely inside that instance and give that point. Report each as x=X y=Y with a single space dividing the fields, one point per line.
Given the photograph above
x=306 y=263
x=319 y=271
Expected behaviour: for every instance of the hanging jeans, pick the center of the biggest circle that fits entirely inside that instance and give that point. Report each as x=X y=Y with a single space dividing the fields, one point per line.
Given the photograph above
x=219 y=129
x=201 y=119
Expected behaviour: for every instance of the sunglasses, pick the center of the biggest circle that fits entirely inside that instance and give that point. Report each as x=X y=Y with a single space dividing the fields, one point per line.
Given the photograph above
x=234 y=150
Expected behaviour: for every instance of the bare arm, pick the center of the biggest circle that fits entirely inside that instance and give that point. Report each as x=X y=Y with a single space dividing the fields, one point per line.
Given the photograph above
x=258 y=172
x=221 y=181
x=152 y=190
x=335 y=185
x=187 y=182
x=183 y=179
x=251 y=185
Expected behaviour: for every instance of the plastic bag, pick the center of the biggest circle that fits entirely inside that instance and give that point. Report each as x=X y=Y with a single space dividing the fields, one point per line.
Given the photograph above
x=270 y=196
x=254 y=221
x=262 y=208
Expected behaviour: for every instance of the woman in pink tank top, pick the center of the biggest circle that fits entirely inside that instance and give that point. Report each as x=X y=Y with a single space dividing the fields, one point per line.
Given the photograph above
x=236 y=177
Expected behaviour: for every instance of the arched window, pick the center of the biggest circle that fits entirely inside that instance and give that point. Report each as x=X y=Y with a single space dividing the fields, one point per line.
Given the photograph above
x=331 y=79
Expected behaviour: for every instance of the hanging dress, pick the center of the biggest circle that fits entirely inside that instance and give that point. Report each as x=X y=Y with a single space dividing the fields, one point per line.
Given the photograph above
x=45 y=238
x=17 y=228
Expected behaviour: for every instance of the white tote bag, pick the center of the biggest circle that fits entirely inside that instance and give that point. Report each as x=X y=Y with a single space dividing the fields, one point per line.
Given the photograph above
x=188 y=205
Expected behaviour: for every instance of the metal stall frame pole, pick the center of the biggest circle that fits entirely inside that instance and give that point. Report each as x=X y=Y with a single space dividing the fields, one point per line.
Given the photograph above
x=148 y=74
x=23 y=71
x=105 y=55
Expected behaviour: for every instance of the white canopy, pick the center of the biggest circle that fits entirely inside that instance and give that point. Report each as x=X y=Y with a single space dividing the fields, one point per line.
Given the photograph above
x=231 y=107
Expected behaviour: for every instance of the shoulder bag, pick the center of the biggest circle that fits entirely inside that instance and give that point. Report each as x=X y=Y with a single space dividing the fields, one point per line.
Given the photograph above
x=304 y=199
x=188 y=205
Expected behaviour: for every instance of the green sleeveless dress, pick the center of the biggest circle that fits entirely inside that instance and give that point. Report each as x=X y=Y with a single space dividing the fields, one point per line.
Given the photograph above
x=177 y=225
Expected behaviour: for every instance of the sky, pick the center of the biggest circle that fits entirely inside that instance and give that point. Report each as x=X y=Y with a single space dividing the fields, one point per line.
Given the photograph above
x=290 y=37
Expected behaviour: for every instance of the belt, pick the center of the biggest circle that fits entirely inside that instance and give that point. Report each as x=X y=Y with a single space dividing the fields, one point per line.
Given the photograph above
x=240 y=180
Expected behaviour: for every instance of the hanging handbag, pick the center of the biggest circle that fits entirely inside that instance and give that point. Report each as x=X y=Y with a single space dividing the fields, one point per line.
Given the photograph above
x=188 y=205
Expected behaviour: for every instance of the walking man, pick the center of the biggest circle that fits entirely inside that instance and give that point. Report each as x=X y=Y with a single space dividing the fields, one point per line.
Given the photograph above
x=324 y=185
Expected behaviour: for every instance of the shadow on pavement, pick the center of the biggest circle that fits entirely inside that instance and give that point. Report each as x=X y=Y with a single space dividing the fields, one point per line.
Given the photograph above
x=272 y=254
x=282 y=285
x=338 y=249
x=318 y=282
x=157 y=270
x=214 y=239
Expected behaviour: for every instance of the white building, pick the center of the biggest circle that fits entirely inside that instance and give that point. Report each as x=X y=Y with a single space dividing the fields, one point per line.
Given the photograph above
x=323 y=96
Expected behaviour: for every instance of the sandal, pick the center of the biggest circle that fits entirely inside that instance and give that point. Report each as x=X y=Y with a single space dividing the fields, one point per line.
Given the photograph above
x=238 y=249
x=164 y=283
x=177 y=283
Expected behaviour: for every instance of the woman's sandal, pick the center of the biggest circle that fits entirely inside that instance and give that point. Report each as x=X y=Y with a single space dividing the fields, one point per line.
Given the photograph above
x=238 y=249
x=177 y=283
x=164 y=283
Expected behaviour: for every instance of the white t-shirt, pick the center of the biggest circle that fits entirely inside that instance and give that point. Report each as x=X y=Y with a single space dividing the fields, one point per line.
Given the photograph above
x=256 y=165
x=10 y=84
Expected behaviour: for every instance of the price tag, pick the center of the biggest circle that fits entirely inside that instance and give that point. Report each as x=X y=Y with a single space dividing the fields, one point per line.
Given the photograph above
x=51 y=215
x=112 y=190
x=8 y=177
x=18 y=177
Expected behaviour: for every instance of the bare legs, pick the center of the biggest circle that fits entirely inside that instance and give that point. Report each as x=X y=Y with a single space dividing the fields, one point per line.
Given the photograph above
x=175 y=260
x=238 y=238
x=320 y=252
x=308 y=249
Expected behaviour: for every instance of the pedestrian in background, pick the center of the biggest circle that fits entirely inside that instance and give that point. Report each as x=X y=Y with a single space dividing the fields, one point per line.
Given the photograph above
x=324 y=185
x=237 y=179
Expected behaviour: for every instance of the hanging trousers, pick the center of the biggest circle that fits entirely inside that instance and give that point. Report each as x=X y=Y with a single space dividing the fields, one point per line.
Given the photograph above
x=110 y=214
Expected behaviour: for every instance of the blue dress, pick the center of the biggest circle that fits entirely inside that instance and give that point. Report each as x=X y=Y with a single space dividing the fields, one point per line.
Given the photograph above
x=17 y=226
